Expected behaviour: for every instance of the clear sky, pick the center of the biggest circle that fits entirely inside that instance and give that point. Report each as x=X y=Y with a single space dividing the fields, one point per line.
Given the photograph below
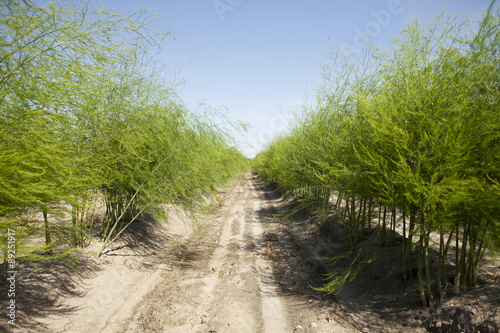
x=260 y=58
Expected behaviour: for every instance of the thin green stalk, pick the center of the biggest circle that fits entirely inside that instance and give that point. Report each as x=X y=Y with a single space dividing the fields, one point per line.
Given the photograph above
x=427 y=269
x=421 y=290
x=48 y=242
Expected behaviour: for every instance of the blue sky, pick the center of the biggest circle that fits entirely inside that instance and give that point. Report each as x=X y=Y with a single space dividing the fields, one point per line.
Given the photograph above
x=260 y=58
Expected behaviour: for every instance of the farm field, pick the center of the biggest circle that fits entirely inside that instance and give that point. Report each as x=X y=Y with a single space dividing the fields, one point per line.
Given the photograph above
x=239 y=272
x=371 y=205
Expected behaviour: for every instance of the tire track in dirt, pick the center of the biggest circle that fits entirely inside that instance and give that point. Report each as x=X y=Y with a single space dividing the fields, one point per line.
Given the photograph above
x=245 y=299
x=272 y=308
x=235 y=305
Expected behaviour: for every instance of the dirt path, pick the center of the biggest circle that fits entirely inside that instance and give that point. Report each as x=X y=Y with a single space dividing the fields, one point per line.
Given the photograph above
x=230 y=289
x=223 y=278
x=239 y=272
x=233 y=286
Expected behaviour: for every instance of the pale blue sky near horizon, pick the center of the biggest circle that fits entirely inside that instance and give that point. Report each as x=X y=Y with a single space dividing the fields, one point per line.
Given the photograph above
x=260 y=59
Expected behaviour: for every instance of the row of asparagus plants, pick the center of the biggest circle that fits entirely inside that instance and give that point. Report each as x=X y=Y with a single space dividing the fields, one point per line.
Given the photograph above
x=410 y=135
x=88 y=118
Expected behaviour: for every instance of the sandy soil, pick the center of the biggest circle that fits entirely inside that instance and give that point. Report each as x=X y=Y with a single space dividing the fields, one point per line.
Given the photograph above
x=236 y=272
